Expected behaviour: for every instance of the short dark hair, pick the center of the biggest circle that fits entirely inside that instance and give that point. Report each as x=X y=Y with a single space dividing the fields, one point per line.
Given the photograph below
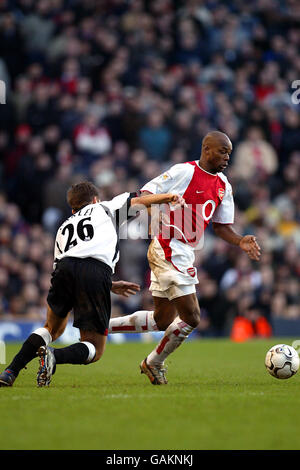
x=81 y=194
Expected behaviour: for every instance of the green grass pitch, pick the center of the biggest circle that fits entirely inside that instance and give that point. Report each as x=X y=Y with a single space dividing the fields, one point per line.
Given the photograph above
x=219 y=396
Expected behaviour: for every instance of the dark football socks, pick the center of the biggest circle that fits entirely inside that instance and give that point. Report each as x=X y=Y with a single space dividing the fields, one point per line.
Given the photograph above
x=26 y=354
x=77 y=353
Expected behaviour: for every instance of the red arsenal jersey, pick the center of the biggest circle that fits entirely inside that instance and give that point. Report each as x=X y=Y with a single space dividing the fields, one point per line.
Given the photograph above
x=208 y=197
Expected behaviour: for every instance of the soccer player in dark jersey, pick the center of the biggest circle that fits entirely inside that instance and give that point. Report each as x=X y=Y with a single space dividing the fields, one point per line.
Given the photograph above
x=85 y=254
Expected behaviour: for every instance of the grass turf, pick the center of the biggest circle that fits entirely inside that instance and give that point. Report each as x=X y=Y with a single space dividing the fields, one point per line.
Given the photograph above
x=219 y=397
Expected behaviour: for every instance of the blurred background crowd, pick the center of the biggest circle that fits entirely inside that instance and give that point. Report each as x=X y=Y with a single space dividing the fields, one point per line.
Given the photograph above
x=116 y=92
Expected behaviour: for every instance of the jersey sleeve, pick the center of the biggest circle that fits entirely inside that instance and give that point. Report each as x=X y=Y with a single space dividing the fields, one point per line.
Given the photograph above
x=224 y=213
x=118 y=208
x=164 y=182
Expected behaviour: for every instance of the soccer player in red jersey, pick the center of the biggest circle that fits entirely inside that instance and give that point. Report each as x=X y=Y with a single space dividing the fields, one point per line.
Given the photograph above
x=208 y=195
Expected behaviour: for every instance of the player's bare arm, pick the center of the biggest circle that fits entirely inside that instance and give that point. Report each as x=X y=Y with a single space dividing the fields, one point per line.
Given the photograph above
x=125 y=288
x=145 y=193
x=150 y=199
x=247 y=243
x=179 y=201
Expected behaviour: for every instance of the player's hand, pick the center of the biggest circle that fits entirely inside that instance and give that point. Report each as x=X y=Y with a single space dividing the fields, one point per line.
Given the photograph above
x=125 y=288
x=250 y=246
x=178 y=201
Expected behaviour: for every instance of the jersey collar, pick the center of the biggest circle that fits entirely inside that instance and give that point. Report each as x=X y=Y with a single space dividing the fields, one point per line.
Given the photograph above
x=198 y=164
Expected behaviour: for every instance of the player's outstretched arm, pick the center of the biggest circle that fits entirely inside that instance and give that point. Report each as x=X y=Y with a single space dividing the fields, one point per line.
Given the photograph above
x=150 y=199
x=247 y=243
x=125 y=288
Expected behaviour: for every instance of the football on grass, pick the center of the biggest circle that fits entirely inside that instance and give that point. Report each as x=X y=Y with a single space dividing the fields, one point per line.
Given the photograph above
x=282 y=361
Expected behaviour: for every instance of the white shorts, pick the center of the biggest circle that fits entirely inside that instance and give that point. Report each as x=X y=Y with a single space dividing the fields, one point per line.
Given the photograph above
x=166 y=280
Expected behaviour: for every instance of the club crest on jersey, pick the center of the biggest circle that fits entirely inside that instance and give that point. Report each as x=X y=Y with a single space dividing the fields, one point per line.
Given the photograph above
x=221 y=193
x=192 y=271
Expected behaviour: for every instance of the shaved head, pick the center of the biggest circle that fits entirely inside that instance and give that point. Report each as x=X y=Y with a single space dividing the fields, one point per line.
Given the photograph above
x=216 y=138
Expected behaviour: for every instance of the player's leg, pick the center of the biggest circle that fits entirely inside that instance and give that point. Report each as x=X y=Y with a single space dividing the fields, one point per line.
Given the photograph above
x=189 y=315
x=90 y=348
x=163 y=313
x=91 y=308
x=52 y=329
x=55 y=324
x=178 y=286
x=97 y=340
x=144 y=320
x=137 y=322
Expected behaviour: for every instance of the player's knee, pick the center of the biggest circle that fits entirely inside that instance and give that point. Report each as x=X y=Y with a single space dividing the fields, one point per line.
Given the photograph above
x=99 y=348
x=98 y=354
x=196 y=315
x=96 y=343
x=163 y=323
x=192 y=316
x=195 y=319
x=164 y=318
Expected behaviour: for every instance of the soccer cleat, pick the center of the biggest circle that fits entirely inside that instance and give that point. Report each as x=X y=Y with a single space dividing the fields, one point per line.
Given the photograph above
x=156 y=374
x=47 y=366
x=7 y=378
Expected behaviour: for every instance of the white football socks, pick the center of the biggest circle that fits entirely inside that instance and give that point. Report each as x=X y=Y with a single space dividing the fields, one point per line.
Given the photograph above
x=174 y=335
x=138 y=322
x=92 y=351
x=44 y=333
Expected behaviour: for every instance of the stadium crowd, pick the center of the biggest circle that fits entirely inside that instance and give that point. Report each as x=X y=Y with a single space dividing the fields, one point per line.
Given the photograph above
x=118 y=91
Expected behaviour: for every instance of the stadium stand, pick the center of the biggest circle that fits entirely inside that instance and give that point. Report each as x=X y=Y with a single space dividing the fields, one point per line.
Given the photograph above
x=117 y=91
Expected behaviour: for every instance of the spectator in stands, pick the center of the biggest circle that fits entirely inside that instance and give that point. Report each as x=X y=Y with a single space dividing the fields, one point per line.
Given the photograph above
x=155 y=136
x=254 y=157
x=91 y=139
